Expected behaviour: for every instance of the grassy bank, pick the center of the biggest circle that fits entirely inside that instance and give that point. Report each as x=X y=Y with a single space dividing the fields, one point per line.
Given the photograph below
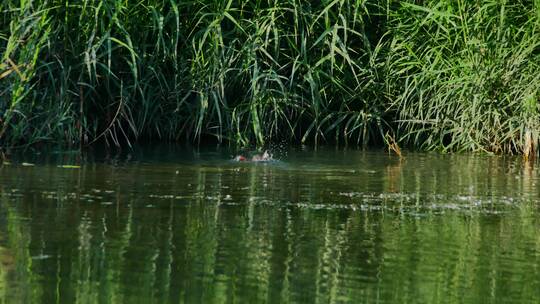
x=442 y=75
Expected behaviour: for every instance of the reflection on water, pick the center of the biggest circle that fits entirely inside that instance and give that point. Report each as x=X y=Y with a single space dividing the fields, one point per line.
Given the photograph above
x=317 y=226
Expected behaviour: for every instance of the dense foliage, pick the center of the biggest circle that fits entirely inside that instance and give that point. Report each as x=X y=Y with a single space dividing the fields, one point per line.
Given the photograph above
x=446 y=75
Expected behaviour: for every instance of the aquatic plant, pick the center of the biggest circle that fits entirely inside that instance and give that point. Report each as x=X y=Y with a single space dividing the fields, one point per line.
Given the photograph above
x=441 y=75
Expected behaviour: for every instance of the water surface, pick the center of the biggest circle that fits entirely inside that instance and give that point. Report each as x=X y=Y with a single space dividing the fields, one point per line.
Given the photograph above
x=319 y=226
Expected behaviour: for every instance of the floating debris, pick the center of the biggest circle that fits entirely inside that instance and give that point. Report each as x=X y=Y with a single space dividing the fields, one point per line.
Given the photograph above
x=165 y=196
x=42 y=257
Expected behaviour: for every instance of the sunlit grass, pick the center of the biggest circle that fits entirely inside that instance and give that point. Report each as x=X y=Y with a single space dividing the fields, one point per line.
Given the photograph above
x=468 y=76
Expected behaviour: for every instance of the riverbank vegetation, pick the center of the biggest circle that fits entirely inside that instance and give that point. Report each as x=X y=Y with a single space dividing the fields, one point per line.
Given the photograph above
x=438 y=75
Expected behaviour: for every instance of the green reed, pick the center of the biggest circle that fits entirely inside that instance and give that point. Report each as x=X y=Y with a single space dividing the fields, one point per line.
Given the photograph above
x=467 y=74
x=445 y=75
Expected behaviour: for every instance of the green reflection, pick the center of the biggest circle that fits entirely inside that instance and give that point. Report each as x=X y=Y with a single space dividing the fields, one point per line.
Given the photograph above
x=317 y=227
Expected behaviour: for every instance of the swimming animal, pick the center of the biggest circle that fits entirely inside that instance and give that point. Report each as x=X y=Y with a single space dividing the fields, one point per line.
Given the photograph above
x=266 y=156
x=240 y=158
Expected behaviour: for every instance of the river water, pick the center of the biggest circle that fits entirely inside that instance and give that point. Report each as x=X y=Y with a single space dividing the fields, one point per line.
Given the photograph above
x=171 y=225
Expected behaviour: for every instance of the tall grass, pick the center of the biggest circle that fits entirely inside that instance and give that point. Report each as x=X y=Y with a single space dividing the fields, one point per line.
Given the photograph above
x=442 y=75
x=468 y=72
